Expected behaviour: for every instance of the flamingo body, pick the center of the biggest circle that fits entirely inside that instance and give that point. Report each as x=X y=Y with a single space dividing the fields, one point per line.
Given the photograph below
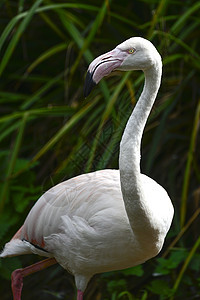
x=82 y=222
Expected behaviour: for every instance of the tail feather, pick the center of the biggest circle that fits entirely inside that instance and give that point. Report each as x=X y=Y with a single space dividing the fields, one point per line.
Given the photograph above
x=19 y=247
x=15 y=247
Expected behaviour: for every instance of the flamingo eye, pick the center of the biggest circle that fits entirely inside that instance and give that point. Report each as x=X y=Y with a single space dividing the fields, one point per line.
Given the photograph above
x=131 y=51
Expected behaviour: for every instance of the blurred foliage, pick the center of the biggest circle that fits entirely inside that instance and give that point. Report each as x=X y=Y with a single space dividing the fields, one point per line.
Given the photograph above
x=49 y=133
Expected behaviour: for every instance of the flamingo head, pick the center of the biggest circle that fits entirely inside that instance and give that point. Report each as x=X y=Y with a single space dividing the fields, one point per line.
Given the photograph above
x=133 y=54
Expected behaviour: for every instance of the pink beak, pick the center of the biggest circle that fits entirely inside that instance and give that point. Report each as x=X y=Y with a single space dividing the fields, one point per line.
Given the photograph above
x=102 y=66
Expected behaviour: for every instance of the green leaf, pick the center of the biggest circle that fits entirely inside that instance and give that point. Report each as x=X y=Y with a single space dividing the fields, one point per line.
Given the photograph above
x=136 y=271
x=118 y=285
x=165 y=265
x=160 y=287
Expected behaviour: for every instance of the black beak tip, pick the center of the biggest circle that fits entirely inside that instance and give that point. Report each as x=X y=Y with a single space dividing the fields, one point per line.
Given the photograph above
x=89 y=84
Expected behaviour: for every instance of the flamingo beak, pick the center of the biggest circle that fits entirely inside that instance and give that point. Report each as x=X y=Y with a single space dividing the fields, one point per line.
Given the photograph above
x=102 y=66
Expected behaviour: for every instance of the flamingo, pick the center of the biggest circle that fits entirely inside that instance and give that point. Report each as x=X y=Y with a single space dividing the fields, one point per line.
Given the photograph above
x=108 y=219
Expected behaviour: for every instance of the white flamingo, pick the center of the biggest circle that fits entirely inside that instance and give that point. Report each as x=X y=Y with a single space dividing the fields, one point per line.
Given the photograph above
x=109 y=219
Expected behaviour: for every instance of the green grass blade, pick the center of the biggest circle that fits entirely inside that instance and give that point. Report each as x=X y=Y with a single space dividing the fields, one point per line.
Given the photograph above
x=20 y=6
x=76 y=36
x=6 y=32
x=178 y=42
x=32 y=99
x=179 y=24
x=12 y=161
x=191 y=152
x=87 y=41
x=10 y=128
x=8 y=97
x=182 y=232
x=10 y=49
x=158 y=12
x=53 y=26
x=46 y=55
x=105 y=116
x=54 y=111
x=157 y=137
x=185 y=265
x=76 y=118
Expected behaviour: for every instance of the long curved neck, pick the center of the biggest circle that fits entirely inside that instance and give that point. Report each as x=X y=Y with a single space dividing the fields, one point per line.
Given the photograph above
x=129 y=159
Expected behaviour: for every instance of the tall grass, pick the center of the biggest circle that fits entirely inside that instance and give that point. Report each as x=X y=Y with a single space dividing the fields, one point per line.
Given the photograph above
x=49 y=132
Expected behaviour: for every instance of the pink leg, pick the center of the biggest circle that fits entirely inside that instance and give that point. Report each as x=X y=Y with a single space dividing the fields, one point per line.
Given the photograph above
x=79 y=295
x=17 y=284
x=17 y=275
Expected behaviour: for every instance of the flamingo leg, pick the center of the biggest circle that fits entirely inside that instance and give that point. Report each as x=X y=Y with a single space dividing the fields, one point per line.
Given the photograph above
x=79 y=295
x=17 y=275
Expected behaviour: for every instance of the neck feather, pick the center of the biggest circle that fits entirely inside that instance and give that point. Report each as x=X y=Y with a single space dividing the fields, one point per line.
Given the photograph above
x=129 y=159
